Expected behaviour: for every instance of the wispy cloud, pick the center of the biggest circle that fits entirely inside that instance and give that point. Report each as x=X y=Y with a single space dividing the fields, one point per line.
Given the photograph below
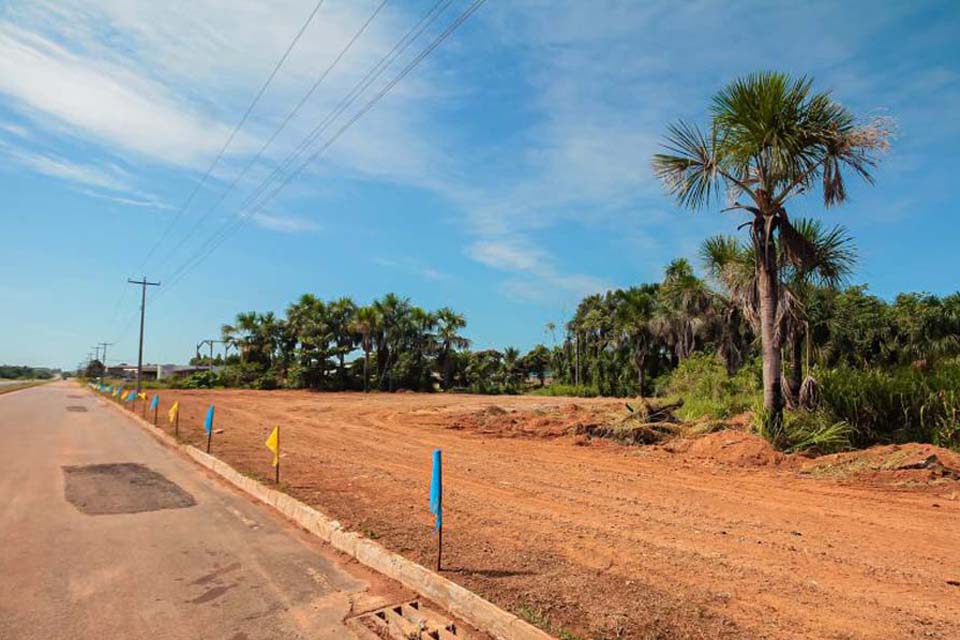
x=97 y=99
x=283 y=224
x=409 y=265
x=106 y=181
x=536 y=277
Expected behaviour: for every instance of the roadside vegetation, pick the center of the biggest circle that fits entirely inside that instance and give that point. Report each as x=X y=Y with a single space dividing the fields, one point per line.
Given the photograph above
x=766 y=323
x=22 y=372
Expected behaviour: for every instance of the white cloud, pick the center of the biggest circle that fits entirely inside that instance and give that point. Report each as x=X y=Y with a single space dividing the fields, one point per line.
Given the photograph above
x=147 y=202
x=283 y=224
x=15 y=129
x=537 y=277
x=409 y=265
x=106 y=102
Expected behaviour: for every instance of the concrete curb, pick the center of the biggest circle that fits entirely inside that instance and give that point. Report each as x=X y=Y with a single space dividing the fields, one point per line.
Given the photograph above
x=465 y=604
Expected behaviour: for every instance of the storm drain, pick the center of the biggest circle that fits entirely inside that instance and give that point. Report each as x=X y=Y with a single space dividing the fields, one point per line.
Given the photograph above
x=76 y=408
x=407 y=621
x=126 y=487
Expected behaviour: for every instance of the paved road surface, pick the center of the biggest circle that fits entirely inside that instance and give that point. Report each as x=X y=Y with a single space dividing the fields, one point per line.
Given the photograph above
x=224 y=567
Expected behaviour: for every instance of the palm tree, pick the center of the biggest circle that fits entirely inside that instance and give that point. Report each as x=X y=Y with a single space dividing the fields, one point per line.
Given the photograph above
x=683 y=309
x=771 y=138
x=731 y=264
x=340 y=315
x=449 y=324
x=394 y=314
x=633 y=316
x=366 y=322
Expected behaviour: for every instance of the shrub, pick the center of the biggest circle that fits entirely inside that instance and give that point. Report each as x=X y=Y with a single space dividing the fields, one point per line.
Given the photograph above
x=706 y=389
x=558 y=389
x=197 y=380
x=815 y=432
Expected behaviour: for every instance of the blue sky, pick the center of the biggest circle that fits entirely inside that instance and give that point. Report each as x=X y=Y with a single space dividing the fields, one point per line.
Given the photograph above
x=507 y=176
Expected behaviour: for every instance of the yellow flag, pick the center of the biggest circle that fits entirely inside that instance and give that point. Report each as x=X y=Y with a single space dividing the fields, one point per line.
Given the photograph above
x=174 y=410
x=142 y=395
x=273 y=443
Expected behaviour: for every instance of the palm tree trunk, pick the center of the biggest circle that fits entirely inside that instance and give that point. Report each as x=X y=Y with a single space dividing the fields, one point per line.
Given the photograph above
x=796 y=364
x=768 y=281
x=366 y=359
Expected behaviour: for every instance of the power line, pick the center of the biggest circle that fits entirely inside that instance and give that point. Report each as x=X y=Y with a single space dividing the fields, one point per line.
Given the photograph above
x=293 y=112
x=233 y=134
x=251 y=210
x=372 y=74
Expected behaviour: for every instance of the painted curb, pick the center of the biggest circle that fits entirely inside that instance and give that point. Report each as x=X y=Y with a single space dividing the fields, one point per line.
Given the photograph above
x=459 y=601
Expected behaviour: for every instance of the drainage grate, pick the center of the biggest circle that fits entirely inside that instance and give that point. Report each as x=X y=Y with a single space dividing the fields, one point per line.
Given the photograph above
x=76 y=408
x=406 y=621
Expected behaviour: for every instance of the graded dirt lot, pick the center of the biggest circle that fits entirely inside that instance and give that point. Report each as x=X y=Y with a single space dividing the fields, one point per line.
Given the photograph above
x=715 y=539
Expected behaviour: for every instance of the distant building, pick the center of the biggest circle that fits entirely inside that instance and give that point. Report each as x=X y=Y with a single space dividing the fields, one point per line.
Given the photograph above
x=155 y=371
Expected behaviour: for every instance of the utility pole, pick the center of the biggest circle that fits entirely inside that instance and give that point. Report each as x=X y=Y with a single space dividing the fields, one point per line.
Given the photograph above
x=103 y=361
x=143 y=306
x=211 y=342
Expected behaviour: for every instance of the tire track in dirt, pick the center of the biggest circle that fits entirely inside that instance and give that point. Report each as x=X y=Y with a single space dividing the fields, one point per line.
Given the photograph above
x=604 y=538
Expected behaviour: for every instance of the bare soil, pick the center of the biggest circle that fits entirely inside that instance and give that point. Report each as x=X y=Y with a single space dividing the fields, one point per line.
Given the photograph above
x=717 y=537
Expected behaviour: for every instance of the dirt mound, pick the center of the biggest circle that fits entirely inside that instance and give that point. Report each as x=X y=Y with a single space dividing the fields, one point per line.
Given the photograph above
x=736 y=448
x=546 y=421
x=896 y=464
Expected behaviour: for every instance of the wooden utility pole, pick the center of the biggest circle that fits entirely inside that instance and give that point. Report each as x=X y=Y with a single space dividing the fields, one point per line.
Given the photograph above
x=103 y=361
x=211 y=342
x=143 y=306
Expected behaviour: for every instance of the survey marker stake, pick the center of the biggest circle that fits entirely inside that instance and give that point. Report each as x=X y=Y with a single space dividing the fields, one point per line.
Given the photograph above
x=436 y=501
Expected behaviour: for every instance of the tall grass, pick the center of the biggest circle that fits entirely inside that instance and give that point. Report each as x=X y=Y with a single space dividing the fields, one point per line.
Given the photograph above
x=897 y=405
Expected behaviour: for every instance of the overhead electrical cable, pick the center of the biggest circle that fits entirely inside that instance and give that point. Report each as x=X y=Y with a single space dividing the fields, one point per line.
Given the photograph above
x=290 y=115
x=233 y=134
x=252 y=208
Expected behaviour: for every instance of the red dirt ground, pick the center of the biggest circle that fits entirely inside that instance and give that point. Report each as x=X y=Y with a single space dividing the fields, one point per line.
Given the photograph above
x=714 y=538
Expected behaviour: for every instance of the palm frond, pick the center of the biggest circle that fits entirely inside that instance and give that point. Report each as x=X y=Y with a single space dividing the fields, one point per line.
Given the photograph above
x=689 y=168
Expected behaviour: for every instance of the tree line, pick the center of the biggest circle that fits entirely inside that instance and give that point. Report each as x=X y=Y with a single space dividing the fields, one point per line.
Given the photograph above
x=387 y=345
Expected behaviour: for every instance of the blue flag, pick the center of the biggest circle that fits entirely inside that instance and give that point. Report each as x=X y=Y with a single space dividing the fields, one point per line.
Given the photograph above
x=208 y=423
x=155 y=402
x=132 y=396
x=436 y=489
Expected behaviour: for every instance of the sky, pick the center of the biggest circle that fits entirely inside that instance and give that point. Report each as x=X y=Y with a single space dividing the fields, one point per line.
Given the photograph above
x=506 y=175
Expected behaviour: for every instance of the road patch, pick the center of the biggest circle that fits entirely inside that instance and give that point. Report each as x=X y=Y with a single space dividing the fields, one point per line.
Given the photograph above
x=106 y=489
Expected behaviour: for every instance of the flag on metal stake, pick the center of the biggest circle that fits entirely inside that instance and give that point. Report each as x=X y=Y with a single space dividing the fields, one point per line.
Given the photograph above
x=273 y=443
x=208 y=425
x=436 y=501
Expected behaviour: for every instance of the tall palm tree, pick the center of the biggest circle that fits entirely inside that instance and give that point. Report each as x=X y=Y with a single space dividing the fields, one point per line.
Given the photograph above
x=340 y=315
x=366 y=322
x=771 y=138
x=449 y=324
x=683 y=309
x=633 y=317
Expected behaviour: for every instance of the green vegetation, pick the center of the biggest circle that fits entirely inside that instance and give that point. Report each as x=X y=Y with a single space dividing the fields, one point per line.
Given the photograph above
x=708 y=390
x=387 y=345
x=771 y=326
x=22 y=372
x=771 y=138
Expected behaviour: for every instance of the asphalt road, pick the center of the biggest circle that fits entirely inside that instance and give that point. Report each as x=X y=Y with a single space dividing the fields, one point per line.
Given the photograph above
x=148 y=546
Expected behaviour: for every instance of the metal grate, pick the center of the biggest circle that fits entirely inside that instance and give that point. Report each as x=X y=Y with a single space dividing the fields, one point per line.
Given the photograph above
x=406 y=621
